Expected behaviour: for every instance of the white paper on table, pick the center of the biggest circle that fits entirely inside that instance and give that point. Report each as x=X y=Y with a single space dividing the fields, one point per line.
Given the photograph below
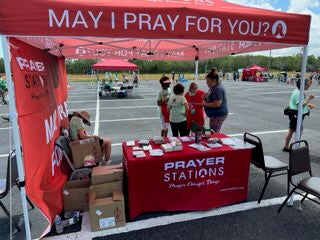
x=199 y=147
x=156 y=152
x=228 y=141
x=138 y=153
x=213 y=145
x=130 y=143
x=147 y=148
x=237 y=143
x=185 y=139
x=136 y=148
x=173 y=139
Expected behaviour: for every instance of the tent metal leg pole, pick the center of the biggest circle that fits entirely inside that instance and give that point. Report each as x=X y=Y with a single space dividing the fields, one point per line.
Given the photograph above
x=197 y=68
x=301 y=100
x=16 y=137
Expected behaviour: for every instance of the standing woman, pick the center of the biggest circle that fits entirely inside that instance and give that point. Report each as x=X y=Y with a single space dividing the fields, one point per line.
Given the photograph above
x=195 y=111
x=293 y=105
x=178 y=110
x=215 y=101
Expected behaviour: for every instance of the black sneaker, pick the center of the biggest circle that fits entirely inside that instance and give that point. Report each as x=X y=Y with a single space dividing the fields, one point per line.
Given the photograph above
x=284 y=149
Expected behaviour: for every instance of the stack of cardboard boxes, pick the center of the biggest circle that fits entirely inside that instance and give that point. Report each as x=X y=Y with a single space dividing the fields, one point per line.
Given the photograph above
x=106 y=204
x=103 y=196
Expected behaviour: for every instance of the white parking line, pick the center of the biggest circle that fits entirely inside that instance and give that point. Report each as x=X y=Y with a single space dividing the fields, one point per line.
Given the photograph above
x=82 y=90
x=266 y=93
x=6 y=128
x=3 y=155
x=115 y=100
x=96 y=125
x=258 y=133
x=128 y=119
x=105 y=108
x=132 y=119
x=166 y=220
x=85 y=97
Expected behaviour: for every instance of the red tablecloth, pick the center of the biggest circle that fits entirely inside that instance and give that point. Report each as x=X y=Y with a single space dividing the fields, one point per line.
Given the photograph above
x=187 y=179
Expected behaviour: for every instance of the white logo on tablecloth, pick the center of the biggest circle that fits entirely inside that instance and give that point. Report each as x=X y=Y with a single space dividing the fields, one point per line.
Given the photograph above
x=194 y=173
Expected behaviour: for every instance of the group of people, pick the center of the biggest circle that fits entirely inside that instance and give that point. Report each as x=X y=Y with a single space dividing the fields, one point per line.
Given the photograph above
x=180 y=109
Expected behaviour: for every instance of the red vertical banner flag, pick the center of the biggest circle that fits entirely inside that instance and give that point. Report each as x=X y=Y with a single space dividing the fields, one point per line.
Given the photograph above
x=41 y=94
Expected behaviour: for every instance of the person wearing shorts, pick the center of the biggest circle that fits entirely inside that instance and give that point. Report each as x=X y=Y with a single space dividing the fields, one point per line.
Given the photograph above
x=293 y=105
x=162 y=102
x=178 y=111
x=77 y=131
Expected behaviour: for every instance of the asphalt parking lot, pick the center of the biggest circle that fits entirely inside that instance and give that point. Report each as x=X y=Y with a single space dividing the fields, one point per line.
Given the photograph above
x=254 y=107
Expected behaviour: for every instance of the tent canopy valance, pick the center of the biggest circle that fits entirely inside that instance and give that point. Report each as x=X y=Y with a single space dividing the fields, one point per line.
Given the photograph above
x=150 y=29
x=255 y=67
x=114 y=64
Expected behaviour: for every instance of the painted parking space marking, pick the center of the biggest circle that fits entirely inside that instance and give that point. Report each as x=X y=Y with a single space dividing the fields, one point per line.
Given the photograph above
x=113 y=100
x=96 y=125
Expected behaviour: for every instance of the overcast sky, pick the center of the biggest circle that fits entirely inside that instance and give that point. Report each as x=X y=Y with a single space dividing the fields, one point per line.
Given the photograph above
x=311 y=7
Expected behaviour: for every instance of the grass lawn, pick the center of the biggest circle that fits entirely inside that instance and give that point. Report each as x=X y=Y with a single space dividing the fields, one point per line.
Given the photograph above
x=84 y=78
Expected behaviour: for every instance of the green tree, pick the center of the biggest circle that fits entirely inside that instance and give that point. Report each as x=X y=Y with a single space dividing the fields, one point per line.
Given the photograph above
x=1 y=65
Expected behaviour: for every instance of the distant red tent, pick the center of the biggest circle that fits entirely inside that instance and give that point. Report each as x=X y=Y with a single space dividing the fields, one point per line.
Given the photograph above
x=255 y=67
x=250 y=74
x=114 y=64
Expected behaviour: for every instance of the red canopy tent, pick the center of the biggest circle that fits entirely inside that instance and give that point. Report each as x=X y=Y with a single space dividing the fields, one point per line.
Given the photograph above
x=115 y=64
x=250 y=74
x=142 y=29
x=150 y=29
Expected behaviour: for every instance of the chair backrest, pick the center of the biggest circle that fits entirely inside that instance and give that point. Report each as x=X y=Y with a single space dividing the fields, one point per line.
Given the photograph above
x=107 y=88
x=63 y=142
x=257 y=157
x=12 y=172
x=299 y=158
x=195 y=127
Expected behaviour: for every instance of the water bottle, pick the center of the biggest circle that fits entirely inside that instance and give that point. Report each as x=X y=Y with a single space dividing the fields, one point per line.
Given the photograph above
x=57 y=222
x=198 y=135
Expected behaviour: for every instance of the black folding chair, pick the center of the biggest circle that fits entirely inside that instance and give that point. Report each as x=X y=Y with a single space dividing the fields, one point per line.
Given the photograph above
x=11 y=180
x=268 y=164
x=299 y=162
x=62 y=142
x=107 y=89
x=130 y=89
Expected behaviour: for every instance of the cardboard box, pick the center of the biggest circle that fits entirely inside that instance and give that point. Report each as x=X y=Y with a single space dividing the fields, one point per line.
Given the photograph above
x=107 y=187
x=106 y=209
x=76 y=195
x=115 y=166
x=82 y=148
x=105 y=174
